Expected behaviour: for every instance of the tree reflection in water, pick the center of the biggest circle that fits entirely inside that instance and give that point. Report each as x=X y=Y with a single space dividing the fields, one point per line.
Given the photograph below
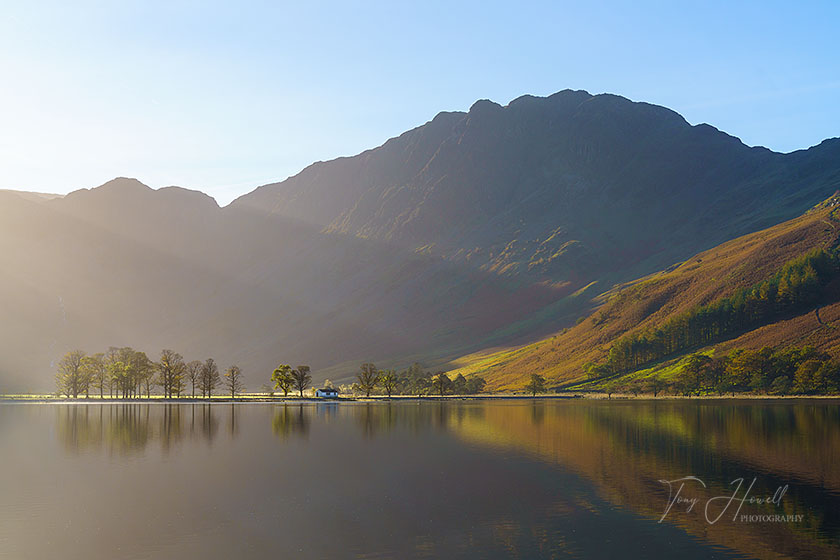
x=291 y=420
x=623 y=448
x=125 y=429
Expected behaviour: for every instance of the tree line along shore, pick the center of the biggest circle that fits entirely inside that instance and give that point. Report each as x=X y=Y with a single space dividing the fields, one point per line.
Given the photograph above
x=126 y=373
x=797 y=371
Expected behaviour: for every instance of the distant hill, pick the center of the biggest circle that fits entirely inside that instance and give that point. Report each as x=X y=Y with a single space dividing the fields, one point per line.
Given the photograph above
x=36 y=196
x=123 y=264
x=491 y=227
x=644 y=305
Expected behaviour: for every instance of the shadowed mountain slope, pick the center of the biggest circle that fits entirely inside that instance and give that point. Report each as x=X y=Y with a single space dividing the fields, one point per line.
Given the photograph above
x=490 y=227
x=126 y=265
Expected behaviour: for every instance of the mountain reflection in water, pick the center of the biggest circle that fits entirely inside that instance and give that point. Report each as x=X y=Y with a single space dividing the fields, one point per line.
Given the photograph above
x=413 y=479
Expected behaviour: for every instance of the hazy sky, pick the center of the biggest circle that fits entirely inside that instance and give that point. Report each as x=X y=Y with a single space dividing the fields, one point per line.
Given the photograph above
x=225 y=96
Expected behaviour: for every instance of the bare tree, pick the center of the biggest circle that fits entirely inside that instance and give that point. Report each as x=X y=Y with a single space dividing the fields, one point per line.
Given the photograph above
x=178 y=385
x=368 y=377
x=209 y=378
x=70 y=377
x=302 y=378
x=170 y=370
x=233 y=381
x=193 y=373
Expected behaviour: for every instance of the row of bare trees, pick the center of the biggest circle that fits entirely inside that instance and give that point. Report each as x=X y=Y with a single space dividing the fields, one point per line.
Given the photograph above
x=128 y=373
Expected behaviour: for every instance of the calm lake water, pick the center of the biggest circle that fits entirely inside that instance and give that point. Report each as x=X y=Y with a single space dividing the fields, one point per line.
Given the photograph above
x=522 y=479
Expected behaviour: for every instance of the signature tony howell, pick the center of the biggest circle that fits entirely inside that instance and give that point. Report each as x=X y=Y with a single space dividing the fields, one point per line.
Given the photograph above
x=715 y=508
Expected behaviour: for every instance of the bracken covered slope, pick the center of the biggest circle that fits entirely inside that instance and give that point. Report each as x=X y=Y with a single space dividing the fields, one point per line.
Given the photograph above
x=648 y=303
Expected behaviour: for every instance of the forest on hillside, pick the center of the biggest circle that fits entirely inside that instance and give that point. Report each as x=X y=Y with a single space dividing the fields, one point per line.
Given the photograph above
x=767 y=371
x=799 y=286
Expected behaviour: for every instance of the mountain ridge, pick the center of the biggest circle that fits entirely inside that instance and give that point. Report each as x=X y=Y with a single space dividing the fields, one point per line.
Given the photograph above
x=478 y=228
x=449 y=227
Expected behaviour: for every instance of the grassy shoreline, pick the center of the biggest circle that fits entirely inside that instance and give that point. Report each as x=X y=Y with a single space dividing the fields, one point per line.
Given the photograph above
x=51 y=399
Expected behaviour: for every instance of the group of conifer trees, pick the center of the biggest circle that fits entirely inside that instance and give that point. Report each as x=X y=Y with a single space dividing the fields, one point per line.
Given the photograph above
x=127 y=373
x=801 y=284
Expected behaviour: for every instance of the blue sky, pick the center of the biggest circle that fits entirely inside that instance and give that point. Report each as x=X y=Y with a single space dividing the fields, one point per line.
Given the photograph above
x=225 y=96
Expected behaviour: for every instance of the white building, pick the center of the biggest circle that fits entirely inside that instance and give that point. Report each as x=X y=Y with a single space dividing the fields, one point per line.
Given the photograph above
x=327 y=392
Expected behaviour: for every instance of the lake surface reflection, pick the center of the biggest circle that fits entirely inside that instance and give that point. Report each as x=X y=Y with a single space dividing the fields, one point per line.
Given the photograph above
x=493 y=479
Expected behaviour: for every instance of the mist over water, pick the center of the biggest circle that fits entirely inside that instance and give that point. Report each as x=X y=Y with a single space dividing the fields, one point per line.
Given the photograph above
x=432 y=479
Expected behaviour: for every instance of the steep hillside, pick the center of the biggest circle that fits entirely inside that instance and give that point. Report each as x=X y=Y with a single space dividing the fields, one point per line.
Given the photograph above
x=123 y=264
x=647 y=304
x=491 y=227
x=569 y=188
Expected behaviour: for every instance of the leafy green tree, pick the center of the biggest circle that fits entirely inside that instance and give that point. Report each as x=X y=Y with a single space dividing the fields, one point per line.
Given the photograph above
x=135 y=373
x=780 y=385
x=611 y=387
x=282 y=378
x=423 y=385
x=654 y=385
x=415 y=381
x=441 y=383
x=829 y=377
x=233 y=381
x=692 y=375
x=459 y=385
x=388 y=380
x=302 y=378
x=596 y=371
x=741 y=366
x=807 y=378
x=368 y=377
x=475 y=384
x=536 y=385
x=714 y=373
